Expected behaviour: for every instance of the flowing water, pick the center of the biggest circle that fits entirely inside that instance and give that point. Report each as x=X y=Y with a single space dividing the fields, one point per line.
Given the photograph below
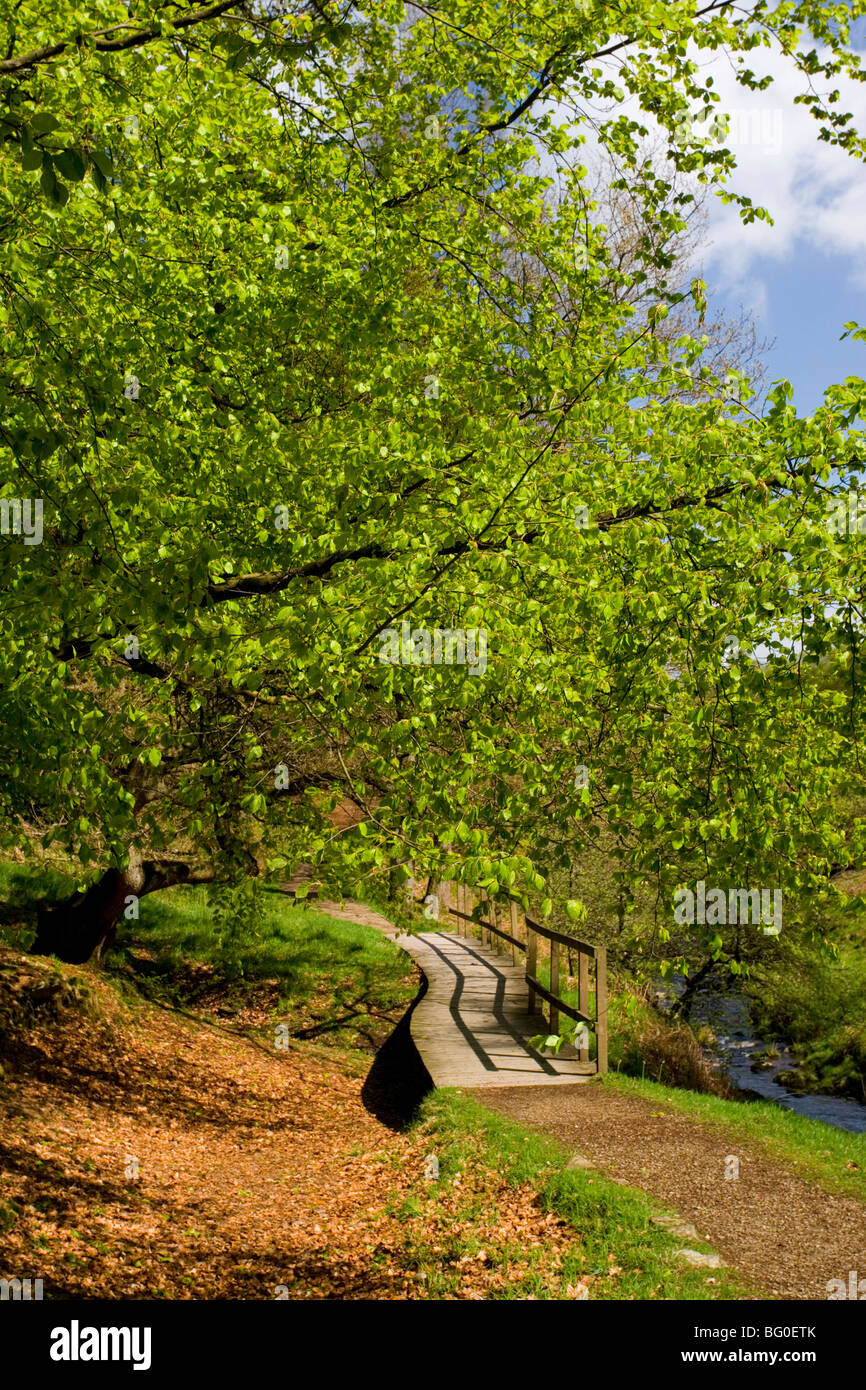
x=735 y=1048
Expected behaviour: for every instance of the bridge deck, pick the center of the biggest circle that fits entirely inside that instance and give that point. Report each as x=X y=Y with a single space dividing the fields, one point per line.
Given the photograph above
x=472 y=1026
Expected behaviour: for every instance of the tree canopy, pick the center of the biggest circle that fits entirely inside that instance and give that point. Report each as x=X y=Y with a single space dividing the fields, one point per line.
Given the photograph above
x=272 y=369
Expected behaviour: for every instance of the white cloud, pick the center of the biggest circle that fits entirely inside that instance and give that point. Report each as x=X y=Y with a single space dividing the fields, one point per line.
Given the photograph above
x=815 y=192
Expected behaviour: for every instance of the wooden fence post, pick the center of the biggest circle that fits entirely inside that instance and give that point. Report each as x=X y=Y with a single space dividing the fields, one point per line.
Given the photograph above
x=583 y=996
x=492 y=940
x=531 y=964
x=410 y=883
x=601 y=1009
x=554 y=985
x=514 y=932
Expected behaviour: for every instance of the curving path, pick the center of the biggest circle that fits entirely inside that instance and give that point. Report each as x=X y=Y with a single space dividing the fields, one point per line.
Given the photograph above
x=472 y=1026
x=785 y=1233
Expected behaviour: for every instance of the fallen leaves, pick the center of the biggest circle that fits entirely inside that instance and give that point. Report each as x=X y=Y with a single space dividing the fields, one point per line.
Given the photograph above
x=254 y=1172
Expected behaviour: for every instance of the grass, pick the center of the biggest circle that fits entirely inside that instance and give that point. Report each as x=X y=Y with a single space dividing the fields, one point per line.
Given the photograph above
x=325 y=980
x=616 y=1253
x=832 y=1157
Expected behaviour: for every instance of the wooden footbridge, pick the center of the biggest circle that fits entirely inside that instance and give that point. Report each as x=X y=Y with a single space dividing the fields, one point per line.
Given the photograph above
x=484 y=1000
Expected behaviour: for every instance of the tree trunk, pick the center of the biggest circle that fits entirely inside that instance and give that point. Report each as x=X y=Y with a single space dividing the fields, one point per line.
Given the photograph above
x=85 y=924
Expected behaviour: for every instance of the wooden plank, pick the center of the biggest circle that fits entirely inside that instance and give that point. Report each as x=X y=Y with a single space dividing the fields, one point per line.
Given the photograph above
x=564 y=1008
x=583 y=994
x=554 y=986
x=601 y=1009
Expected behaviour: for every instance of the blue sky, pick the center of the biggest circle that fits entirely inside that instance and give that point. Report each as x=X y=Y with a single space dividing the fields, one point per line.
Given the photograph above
x=805 y=277
x=802 y=303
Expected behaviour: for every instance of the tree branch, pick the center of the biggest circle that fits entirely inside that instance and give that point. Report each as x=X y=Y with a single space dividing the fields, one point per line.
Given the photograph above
x=103 y=44
x=255 y=585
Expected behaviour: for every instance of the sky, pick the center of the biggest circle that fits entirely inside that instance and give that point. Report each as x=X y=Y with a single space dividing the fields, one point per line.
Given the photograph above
x=805 y=277
x=802 y=279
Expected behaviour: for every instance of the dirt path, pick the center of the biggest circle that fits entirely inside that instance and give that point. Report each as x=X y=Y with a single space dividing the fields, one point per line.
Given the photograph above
x=788 y=1235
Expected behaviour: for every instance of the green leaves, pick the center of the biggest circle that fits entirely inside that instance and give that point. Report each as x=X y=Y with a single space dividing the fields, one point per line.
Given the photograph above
x=547 y=1042
x=70 y=164
x=42 y=123
x=327 y=331
x=54 y=190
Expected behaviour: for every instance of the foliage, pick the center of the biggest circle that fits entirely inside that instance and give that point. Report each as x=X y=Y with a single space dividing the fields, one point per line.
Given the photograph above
x=270 y=369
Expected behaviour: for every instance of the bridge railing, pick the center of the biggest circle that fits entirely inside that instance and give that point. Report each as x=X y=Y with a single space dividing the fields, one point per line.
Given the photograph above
x=591 y=967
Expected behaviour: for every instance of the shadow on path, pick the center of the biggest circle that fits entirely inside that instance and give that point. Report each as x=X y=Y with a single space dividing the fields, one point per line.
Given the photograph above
x=398 y=1080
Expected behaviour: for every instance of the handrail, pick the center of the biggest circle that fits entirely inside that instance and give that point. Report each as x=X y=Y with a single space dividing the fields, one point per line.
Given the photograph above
x=488 y=926
x=585 y=952
x=551 y=934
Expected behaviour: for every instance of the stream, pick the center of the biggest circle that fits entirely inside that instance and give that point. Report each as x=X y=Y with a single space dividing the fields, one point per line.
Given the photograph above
x=727 y=1014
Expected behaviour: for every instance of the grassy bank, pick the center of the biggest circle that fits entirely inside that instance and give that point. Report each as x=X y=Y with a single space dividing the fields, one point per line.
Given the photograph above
x=291 y=966
x=614 y=1251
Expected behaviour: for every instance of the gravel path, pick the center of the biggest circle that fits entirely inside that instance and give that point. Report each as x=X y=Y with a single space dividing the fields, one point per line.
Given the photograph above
x=788 y=1235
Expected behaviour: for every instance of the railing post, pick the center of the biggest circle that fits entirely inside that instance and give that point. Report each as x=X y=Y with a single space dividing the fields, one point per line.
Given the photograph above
x=492 y=941
x=583 y=996
x=531 y=963
x=601 y=1009
x=554 y=985
x=514 y=932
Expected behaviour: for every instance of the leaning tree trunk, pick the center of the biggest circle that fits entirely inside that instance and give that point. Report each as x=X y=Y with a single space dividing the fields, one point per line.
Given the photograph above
x=85 y=924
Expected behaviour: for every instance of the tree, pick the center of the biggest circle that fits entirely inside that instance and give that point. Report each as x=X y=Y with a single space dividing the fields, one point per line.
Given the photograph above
x=271 y=375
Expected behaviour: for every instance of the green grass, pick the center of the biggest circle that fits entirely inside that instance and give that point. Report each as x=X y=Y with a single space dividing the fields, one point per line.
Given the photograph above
x=612 y=1224
x=329 y=981
x=20 y=888
x=810 y=1148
